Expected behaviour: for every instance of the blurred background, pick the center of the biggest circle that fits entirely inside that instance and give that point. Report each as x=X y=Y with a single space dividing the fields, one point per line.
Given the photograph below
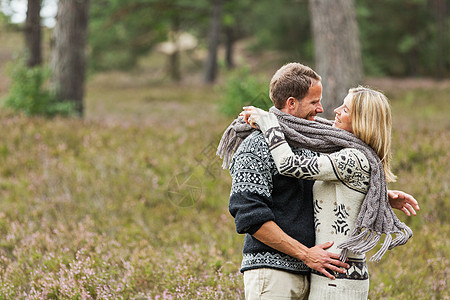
x=111 y=112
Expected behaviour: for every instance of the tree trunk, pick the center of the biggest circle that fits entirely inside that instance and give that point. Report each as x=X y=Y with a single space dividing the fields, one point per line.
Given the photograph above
x=229 y=43
x=33 y=33
x=337 y=49
x=69 y=52
x=440 y=11
x=214 y=34
x=174 y=58
x=174 y=66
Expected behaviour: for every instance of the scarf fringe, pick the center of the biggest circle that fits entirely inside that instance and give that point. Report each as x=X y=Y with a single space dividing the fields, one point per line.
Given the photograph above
x=231 y=140
x=368 y=239
x=354 y=239
x=402 y=236
x=383 y=249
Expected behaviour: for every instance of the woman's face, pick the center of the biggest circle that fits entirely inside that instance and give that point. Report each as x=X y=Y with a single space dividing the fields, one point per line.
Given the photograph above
x=343 y=119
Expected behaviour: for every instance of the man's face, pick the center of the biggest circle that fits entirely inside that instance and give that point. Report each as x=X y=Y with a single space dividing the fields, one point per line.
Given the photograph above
x=310 y=106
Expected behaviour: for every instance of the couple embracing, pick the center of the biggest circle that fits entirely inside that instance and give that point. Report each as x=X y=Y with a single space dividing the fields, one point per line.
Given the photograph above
x=311 y=195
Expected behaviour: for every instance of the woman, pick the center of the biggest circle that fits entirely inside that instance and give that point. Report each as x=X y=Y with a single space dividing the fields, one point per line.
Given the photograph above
x=343 y=179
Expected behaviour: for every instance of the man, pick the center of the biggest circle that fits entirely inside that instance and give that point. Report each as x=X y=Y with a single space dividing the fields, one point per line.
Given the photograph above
x=276 y=212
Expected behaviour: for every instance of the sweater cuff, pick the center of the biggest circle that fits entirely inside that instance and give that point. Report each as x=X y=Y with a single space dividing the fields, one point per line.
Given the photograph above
x=253 y=229
x=281 y=153
x=278 y=146
x=267 y=121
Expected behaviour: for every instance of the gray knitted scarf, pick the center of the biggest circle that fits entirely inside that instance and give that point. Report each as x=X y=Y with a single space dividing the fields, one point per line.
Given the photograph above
x=376 y=215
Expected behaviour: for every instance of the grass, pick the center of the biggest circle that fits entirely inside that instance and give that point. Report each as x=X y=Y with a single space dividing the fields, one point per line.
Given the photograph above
x=419 y=270
x=130 y=203
x=96 y=208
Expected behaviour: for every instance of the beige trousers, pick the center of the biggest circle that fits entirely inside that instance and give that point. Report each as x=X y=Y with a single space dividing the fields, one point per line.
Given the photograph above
x=266 y=283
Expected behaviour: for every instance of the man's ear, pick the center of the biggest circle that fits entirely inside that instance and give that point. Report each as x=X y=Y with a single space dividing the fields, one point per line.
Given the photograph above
x=290 y=103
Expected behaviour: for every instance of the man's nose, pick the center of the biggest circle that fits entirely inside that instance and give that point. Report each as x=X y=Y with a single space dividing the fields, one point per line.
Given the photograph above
x=319 y=108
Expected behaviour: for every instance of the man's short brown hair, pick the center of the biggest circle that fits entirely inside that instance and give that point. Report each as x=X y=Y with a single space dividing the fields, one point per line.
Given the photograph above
x=291 y=80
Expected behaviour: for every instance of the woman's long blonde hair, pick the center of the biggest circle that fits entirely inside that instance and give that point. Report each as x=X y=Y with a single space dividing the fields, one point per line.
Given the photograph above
x=372 y=123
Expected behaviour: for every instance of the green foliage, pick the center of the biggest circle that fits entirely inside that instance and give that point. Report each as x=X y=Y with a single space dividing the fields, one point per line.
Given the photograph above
x=4 y=20
x=243 y=89
x=119 y=33
x=236 y=16
x=123 y=31
x=403 y=38
x=399 y=38
x=284 y=26
x=29 y=94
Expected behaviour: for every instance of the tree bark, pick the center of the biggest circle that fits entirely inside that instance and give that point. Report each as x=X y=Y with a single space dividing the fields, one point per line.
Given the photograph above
x=174 y=58
x=69 y=52
x=337 y=49
x=440 y=10
x=229 y=47
x=174 y=66
x=214 y=35
x=33 y=33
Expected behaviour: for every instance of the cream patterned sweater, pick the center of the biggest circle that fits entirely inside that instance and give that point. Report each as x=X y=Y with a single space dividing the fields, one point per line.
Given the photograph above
x=342 y=179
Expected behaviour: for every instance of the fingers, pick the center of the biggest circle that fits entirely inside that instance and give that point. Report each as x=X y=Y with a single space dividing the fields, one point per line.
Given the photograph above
x=331 y=268
x=246 y=116
x=325 y=272
x=404 y=202
x=336 y=269
x=409 y=208
x=406 y=211
x=247 y=113
x=326 y=245
x=325 y=262
x=406 y=198
x=250 y=115
x=412 y=202
x=410 y=205
x=336 y=263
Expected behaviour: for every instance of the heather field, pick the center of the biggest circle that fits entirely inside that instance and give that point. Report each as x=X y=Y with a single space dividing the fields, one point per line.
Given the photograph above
x=130 y=203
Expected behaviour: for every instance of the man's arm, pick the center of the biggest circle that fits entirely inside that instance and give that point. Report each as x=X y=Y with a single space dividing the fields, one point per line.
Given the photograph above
x=316 y=257
x=249 y=198
x=403 y=201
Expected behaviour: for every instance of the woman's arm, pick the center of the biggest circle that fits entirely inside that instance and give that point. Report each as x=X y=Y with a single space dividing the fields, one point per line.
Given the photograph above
x=265 y=121
x=348 y=165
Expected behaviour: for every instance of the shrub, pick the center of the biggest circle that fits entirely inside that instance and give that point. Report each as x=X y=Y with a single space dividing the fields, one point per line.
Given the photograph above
x=240 y=90
x=28 y=92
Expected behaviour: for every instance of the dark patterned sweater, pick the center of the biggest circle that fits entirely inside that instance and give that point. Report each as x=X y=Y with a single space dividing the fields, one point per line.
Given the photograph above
x=260 y=194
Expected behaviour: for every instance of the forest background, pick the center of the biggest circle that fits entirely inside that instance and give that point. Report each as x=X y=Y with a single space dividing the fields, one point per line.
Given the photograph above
x=125 y=199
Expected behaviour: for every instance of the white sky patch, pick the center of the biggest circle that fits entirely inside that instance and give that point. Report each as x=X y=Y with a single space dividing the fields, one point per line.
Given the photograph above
x=17 y=9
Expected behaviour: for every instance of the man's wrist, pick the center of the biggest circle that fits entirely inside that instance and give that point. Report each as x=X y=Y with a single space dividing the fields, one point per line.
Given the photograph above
x=302 y=252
